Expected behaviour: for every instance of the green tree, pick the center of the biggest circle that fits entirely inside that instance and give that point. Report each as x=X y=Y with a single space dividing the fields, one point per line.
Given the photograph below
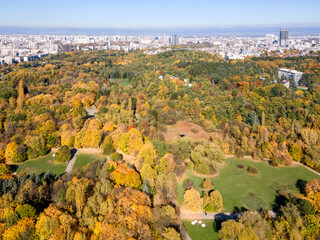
x=63 y=154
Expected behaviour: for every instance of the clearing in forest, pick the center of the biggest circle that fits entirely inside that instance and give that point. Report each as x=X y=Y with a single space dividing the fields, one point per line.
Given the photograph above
x=190 y=130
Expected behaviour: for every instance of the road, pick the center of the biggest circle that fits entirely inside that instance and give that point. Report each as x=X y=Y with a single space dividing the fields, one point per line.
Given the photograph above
x=71 y=162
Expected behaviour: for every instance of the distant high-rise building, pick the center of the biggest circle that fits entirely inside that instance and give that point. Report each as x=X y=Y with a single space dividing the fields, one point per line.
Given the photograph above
x=284 y=38
x=270 y=39
x=174 y=39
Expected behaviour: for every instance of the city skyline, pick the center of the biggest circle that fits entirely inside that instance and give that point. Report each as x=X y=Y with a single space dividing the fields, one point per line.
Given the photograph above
x=156 y=14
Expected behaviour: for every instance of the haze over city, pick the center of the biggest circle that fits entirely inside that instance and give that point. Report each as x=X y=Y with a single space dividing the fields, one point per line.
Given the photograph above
x=159 y=14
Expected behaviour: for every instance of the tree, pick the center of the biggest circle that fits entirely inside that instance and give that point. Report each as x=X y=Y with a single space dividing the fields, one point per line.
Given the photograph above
x=260 y=226
x=207 y=184
x=213 y=202
x=170 y=234
x=192 y=200
x=26 y=210
x=309 y=136
x=233 y=230
x=148 y=173
x=11 y=150
x=20 y=155
x=4 y=169
x=20 y=99
x=296 y=152
x=167 y=164
x=2 y=156
x=108 y=147
x=148 y=154
x=23 y=230
x=63 y=154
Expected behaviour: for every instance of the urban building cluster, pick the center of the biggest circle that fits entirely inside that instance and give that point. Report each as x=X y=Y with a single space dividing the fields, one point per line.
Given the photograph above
x=19 y=48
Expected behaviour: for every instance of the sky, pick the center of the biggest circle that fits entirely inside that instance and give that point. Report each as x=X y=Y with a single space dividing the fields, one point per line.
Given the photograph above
x=158 y=14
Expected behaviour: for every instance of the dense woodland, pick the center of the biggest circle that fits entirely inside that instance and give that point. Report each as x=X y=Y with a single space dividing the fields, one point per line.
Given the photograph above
x=241 y=103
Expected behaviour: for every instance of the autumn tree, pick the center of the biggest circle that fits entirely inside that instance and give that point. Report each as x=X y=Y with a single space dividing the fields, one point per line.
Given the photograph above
x=63 y=154
x=232 y=229
x=11 y=150
x=148 y=154
x=20 y=99
x=192 y=200
x=213 y=202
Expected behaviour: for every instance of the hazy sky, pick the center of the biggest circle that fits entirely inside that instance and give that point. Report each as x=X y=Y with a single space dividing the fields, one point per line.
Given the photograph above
x=157 y=14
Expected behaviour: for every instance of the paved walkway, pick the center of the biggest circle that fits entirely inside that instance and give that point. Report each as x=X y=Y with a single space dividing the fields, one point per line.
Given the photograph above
x=71 y=162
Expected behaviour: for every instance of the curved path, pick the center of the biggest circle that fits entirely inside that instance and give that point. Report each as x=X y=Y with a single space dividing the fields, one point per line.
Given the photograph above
x=71 y=162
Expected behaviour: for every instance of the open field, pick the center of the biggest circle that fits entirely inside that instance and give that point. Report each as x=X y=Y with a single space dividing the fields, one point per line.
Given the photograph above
x=196 y=232
x=121 y=81
x=85 y=158
x=191 y=130
x=40 y=165
x=241 y=189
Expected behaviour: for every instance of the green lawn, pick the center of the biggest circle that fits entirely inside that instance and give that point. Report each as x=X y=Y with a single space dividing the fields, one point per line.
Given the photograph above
x=84 y=158
x=121 y=81
x=196 y=232
x=240 y=189
x=41 y=165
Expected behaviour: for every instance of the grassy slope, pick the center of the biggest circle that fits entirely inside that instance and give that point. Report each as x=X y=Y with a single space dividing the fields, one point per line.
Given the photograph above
x=196 y=232
x=41 y=165
x=84 y=158
x=237 y=186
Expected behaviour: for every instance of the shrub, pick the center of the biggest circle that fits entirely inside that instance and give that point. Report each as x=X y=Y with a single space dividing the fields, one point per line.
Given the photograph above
x=252 y=170
x=240 y=166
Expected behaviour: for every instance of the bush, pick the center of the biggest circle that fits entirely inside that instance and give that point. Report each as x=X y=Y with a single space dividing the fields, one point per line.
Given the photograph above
x=240 y=166
x=116 y=157
x=63 y=154
x=252 y=170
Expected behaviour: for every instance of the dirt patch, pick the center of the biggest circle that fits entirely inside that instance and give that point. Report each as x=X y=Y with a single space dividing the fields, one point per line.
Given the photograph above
x=90 y=150
x=190 y=130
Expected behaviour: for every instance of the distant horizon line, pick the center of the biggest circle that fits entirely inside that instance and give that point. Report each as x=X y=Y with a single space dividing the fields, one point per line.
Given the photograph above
x=279 y=25
x=240 y=30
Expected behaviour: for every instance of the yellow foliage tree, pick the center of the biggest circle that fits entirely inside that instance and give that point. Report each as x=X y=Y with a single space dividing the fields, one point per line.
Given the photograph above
x=192 y=200
x=148 y=154
x=11 y=150
x=22 y=230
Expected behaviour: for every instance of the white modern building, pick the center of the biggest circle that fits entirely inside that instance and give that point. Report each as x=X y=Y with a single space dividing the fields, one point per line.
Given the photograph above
x=288 y=74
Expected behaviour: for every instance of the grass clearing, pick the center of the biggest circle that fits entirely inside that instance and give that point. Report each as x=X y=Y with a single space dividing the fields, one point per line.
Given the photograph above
x=84 y=159
x=241 y=189
x=41 y=165
x=121 y=81
x=196 y=232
